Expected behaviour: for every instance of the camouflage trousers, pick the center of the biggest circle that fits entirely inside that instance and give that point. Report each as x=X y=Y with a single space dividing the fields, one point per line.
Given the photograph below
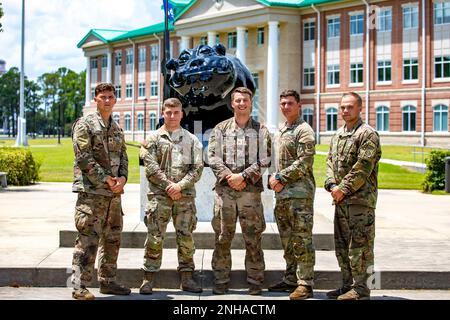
x=99 y=222
x=294 y=219
x=228 y=205
x=159 y=211
x=354 y=234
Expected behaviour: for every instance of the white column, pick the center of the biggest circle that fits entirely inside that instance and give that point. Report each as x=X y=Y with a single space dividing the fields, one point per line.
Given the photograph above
x=109 y=66
x=272 y=77
x=212 y=38
x=240 y=47
x=88 y=81
x=185 y=43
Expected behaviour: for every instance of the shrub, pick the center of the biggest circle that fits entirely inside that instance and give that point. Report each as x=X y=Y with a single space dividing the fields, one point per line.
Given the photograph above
x=435 y=175
x=20 y=165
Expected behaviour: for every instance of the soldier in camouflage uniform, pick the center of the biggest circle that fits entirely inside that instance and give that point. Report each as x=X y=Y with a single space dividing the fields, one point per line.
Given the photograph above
x=173 y=163
x=238 y=153
x=294 y=186
x=352 y=170
x=100 y=173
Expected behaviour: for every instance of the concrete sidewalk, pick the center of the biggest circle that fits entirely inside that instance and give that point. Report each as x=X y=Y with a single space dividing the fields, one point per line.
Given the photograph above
x=411 y=245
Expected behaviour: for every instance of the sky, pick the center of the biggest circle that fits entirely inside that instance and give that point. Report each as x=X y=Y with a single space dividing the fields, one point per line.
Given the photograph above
x=53 y=29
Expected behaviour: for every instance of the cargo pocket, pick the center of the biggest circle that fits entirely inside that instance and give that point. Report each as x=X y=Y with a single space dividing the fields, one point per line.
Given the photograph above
x=194 y=217
x=151 y=212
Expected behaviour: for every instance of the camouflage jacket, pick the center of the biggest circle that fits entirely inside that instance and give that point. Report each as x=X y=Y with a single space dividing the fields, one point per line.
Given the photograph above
x=294 y=159
x=172 y=157
x=100 y=151
x=235 y=150
x=352 y=164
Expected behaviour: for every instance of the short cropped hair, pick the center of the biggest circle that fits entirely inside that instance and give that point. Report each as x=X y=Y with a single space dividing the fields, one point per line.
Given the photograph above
x=354 y=95
x=171 y=103
x=104 y=86
x=242 y=90
x=290 y=93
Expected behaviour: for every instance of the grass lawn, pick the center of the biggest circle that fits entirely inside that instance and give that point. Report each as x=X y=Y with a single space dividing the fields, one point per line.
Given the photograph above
x=57 y=164
x=402 y=153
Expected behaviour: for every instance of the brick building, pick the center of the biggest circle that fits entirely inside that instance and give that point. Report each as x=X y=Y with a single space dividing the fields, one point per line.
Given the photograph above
x=396 y=54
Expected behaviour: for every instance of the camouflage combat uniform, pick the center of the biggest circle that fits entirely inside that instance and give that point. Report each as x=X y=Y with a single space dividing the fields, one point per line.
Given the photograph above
x=235 y=150
x=171 y=157
x=294 y=152
x=100 y=151
x=352 y=165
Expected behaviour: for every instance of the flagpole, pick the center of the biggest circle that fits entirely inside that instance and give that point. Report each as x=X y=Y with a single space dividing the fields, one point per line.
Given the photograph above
x=21 y=139
x=166 y=54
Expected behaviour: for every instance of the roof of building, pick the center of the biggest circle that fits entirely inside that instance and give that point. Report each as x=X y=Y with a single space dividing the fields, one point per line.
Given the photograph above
x=180 y=7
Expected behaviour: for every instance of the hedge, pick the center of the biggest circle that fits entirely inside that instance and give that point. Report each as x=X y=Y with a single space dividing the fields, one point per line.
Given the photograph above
x=435 y=175
x=20 y=166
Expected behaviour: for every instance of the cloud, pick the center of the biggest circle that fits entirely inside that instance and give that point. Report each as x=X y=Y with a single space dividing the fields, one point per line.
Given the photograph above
x=54 y=27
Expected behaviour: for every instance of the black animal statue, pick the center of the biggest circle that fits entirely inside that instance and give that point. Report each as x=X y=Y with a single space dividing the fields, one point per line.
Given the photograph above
x=203 y=79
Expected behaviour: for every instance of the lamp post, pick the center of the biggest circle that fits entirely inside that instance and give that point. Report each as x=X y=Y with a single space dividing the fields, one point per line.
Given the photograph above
x=145 y=117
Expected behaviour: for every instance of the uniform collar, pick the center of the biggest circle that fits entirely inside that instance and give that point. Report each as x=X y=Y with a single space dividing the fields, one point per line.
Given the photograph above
x=297 y=122
x=350 y=133
x=235 y=127
x=175 y=136
x=102 y=123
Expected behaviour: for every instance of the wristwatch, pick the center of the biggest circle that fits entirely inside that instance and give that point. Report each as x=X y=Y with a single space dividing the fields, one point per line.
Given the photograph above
x=277 y=176
x=244 y=175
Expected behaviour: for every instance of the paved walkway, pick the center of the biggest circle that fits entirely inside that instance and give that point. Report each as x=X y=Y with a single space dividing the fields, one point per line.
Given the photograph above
x=412 y=232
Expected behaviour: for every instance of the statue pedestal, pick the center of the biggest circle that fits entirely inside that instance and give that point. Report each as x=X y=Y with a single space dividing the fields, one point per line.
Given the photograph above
x=205 y=196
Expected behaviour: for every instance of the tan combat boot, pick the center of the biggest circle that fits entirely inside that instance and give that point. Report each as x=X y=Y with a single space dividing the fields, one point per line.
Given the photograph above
x=147 y=283
x=82 y=294
x=353 y=295
x=114 y=288
x=188 y=284
x=301 y=293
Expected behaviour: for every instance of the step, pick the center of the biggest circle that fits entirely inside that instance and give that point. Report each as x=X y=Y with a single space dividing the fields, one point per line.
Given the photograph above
x=55 y=270
x=203 y=240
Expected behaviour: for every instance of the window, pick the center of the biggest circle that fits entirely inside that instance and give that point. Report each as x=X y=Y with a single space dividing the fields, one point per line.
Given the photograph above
x=129 y=57
x=307 y=116
x=332 y=119
x=92 y=93
x=154 y=52
x=129 y=90
x=382 y=118
x=246 y=39
x=410 y=69
x=384 y=71
x=410 y=17
x=440 y=118
x=308 y=77
x=217 y=38
x=356 y=73
x=409 y=118
x=140 y=122
x=385 y=20
x=308 y=30
x=116 y=118
x=104 y=62
x=333 y=74
x=141 y=54
x=118 y=58
x=232 y=40
x=127 y=122
x=442 y=13
x=204 y=41
x=334 y=27
x=356 y=24
x=442 y=67
x=141 y=89
x=118 y=91
x=94 y=63
x=260 y=36
x=152 y=121
x=154 y=88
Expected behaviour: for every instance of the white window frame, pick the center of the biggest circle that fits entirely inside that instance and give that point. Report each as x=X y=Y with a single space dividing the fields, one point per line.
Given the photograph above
x=126 y=114
x=128 y=88
x=378 y=106
x=442 y=63
x=129 y=57
x=140 y=117
x=118 y=58
x=307 y=74
x=150 y=120
x=327 y=113
x=260 y=34
x=118 y=88
x=141 y=87
x=334 y=68
x=384 y=67
x=411 y=10
x=334 y=21
x=442 y=112
x=114 y=116
x=404 y=105
x=309 y=28
x=358 y=18
x=153 y=85
x=358 y=69
x=308 y=111
x=410 y=65
x=441 y=4
x=384 y=19
x=232 y=40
